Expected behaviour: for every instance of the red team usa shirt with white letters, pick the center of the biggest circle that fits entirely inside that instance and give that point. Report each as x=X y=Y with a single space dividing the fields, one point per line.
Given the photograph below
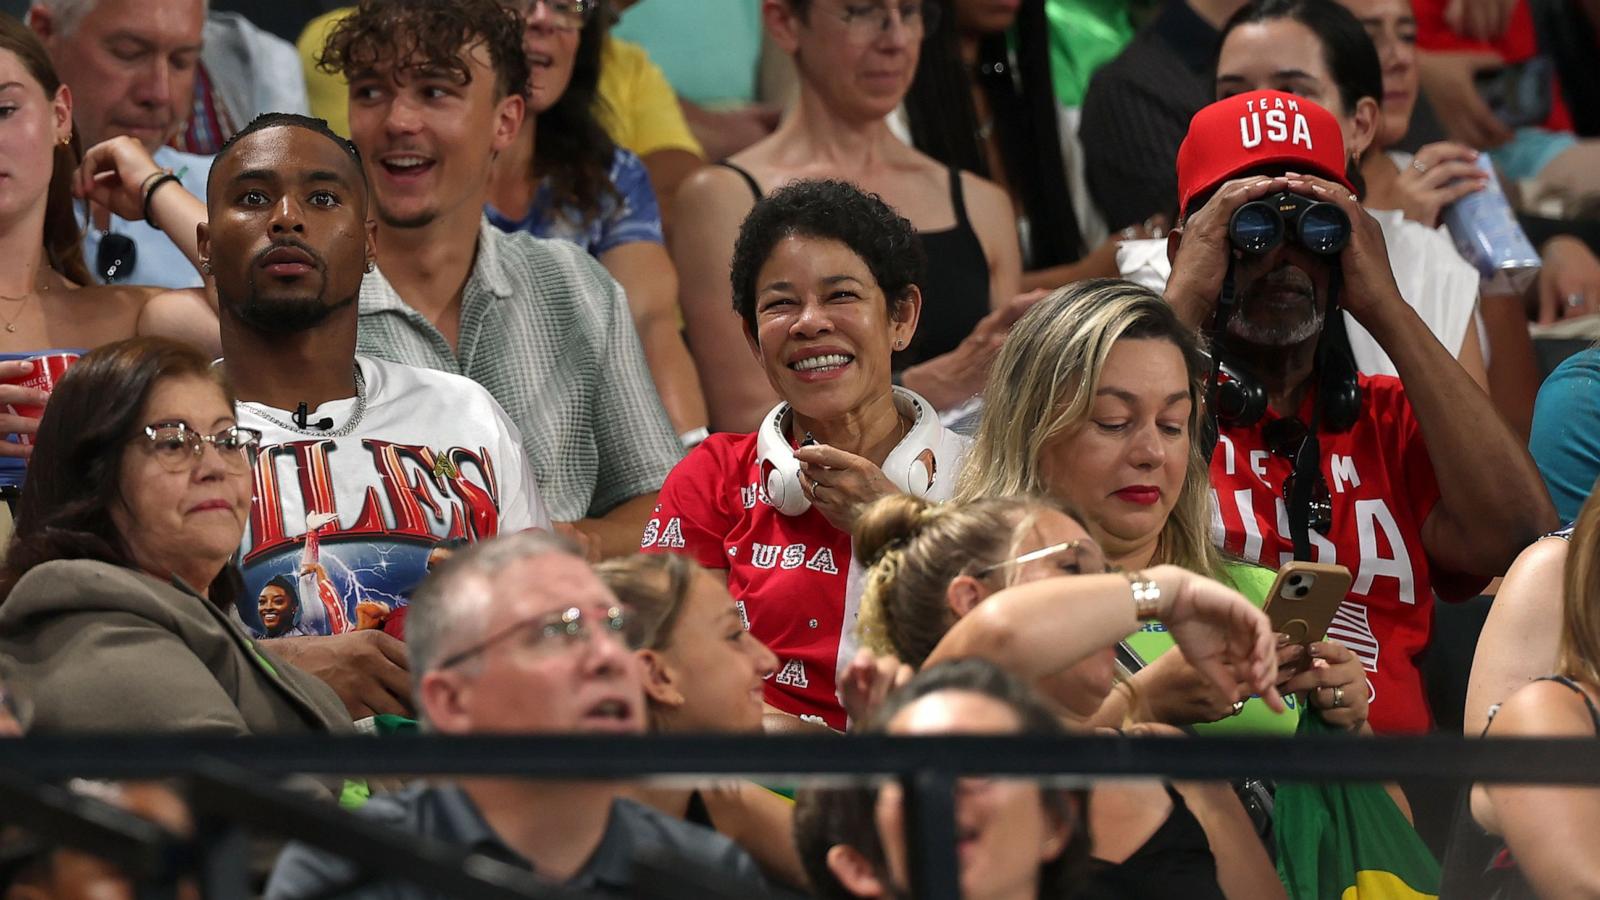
x=1383 y=487
x=789 y=574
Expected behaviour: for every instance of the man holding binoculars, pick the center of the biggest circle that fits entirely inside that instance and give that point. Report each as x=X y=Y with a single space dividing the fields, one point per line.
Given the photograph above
x=1415 y=488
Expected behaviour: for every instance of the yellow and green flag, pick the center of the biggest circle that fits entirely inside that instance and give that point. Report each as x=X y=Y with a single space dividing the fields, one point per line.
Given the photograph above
x=1348 y=842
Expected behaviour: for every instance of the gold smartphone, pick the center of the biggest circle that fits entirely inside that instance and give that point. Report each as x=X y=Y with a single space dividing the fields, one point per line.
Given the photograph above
x=1303 y=600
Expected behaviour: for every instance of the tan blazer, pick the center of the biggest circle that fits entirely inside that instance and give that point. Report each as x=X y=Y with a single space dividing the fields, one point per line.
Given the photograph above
x=98 y=647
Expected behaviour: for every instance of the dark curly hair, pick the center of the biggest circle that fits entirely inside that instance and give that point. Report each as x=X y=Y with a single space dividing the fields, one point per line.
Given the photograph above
x=75 y=473
x=410 y=34
x=571 y=150
x=828 y=210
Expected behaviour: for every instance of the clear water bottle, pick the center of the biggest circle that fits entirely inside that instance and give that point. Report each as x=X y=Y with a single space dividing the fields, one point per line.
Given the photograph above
x=1486 y=233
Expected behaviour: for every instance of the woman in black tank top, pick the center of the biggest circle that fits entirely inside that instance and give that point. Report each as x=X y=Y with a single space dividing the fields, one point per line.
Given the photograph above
x=1547 y=831
x=957 y=283
x=854 y=68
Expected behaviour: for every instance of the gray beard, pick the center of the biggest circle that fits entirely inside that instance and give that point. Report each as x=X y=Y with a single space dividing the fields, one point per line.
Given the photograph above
x=1269 y=336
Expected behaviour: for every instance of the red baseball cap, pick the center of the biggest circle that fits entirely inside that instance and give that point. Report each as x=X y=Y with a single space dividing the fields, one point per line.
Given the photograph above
x=1255 y=130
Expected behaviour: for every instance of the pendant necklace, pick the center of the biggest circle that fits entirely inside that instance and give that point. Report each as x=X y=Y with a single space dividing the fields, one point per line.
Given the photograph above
x=11 y=323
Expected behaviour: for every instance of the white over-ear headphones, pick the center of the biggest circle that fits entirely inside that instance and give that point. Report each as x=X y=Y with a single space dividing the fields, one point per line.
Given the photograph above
x=915 y=465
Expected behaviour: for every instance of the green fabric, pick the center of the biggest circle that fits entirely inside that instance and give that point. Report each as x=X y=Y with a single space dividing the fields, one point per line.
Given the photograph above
x=354 y=794
x=1348 y=841
x=387 y=724
x=1152 y=640
x=1084 y=35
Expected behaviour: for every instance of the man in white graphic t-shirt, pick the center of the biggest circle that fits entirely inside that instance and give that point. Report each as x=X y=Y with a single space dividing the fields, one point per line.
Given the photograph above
x=365 y=466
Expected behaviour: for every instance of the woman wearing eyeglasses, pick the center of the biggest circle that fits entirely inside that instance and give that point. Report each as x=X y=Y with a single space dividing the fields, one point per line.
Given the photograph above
x=855 y=62
x=1096 y=400
x=1021 y=583
x=116 y=587
x=49 y=304
x=565 y=178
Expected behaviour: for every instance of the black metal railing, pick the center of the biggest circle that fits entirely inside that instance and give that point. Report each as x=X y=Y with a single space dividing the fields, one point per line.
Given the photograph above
x=232 y=787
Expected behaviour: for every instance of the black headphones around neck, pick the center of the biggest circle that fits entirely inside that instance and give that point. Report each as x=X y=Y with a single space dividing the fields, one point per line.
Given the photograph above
x=1235 y=398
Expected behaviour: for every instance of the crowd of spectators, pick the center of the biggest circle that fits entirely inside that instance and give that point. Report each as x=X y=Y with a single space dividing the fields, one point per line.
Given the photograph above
x=773 y=367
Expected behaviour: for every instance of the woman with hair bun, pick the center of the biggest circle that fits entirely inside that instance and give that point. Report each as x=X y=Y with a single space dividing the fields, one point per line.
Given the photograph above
x=1019 y=582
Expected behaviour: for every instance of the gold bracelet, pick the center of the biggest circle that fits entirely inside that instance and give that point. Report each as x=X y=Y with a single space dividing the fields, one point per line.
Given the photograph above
x=1146 y=596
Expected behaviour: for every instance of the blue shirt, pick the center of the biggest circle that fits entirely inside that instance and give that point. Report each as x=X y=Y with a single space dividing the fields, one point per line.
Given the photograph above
x=1566 y=432
x=630 y=216
x=157 y=260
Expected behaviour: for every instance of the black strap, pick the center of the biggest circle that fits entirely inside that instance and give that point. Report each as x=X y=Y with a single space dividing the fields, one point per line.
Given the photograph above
x=755 y=186
x=1211 y=430
x=1307 y=461
x=1594 y=713
x=957 y=198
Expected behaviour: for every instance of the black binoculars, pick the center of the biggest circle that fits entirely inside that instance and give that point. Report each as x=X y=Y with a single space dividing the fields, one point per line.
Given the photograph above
x=1260 y=225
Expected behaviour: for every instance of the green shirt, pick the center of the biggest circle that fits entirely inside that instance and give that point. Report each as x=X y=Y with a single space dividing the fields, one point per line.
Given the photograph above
x=1084 y=35
x=1152 y=640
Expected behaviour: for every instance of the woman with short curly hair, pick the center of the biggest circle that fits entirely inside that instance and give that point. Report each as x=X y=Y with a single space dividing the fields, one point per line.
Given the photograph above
x=826 y=279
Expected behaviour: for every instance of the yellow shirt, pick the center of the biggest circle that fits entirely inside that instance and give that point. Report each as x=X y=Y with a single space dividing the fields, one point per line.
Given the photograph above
x=636 y=105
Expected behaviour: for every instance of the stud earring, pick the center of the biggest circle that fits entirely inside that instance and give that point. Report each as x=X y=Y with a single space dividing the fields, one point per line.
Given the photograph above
x=371 y=265
x=206 y=266
x=899 y=343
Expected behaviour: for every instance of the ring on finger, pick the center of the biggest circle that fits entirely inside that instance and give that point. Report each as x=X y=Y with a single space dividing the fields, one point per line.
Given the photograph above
x=1238 y=707
x=1338 y=696
x=1419 y=165
x=1575 y=300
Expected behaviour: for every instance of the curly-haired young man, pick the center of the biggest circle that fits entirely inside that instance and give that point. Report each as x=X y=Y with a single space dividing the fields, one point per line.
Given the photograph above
x=436 y=91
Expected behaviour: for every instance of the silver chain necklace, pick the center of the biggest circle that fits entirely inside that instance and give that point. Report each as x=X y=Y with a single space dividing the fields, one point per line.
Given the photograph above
x=349 y=425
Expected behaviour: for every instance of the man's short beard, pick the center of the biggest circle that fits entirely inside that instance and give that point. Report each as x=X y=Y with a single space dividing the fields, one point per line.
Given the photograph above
x=1260 y=335
x=416 y=220
x=287 y=316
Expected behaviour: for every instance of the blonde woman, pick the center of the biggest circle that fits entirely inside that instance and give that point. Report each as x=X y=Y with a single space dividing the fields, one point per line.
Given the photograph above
x=1096 y=400
x=1019 y=582
x=703 y=674
x=1549 y=829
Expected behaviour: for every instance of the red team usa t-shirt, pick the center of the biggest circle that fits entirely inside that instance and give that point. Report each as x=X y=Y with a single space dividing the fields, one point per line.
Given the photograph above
x=789 y=574
x=1383 y=487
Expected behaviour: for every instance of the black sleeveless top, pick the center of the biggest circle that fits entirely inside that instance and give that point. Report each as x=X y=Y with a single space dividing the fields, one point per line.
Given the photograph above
x=1478 y=864
x=955 y=288
x=1175 y=862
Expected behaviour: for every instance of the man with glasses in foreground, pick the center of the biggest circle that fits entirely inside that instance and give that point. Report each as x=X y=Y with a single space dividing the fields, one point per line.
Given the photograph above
x=518 y=636
x=364 y=465
x=1417 y=489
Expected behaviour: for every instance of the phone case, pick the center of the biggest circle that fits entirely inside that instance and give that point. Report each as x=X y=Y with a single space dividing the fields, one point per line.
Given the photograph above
x=1305 y=597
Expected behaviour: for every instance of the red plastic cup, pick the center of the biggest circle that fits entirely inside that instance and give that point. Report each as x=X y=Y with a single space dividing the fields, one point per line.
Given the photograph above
x=47 y=371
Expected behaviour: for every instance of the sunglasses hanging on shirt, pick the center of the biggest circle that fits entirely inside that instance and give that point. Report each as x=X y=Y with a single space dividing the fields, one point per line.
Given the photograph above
x=115 y=258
